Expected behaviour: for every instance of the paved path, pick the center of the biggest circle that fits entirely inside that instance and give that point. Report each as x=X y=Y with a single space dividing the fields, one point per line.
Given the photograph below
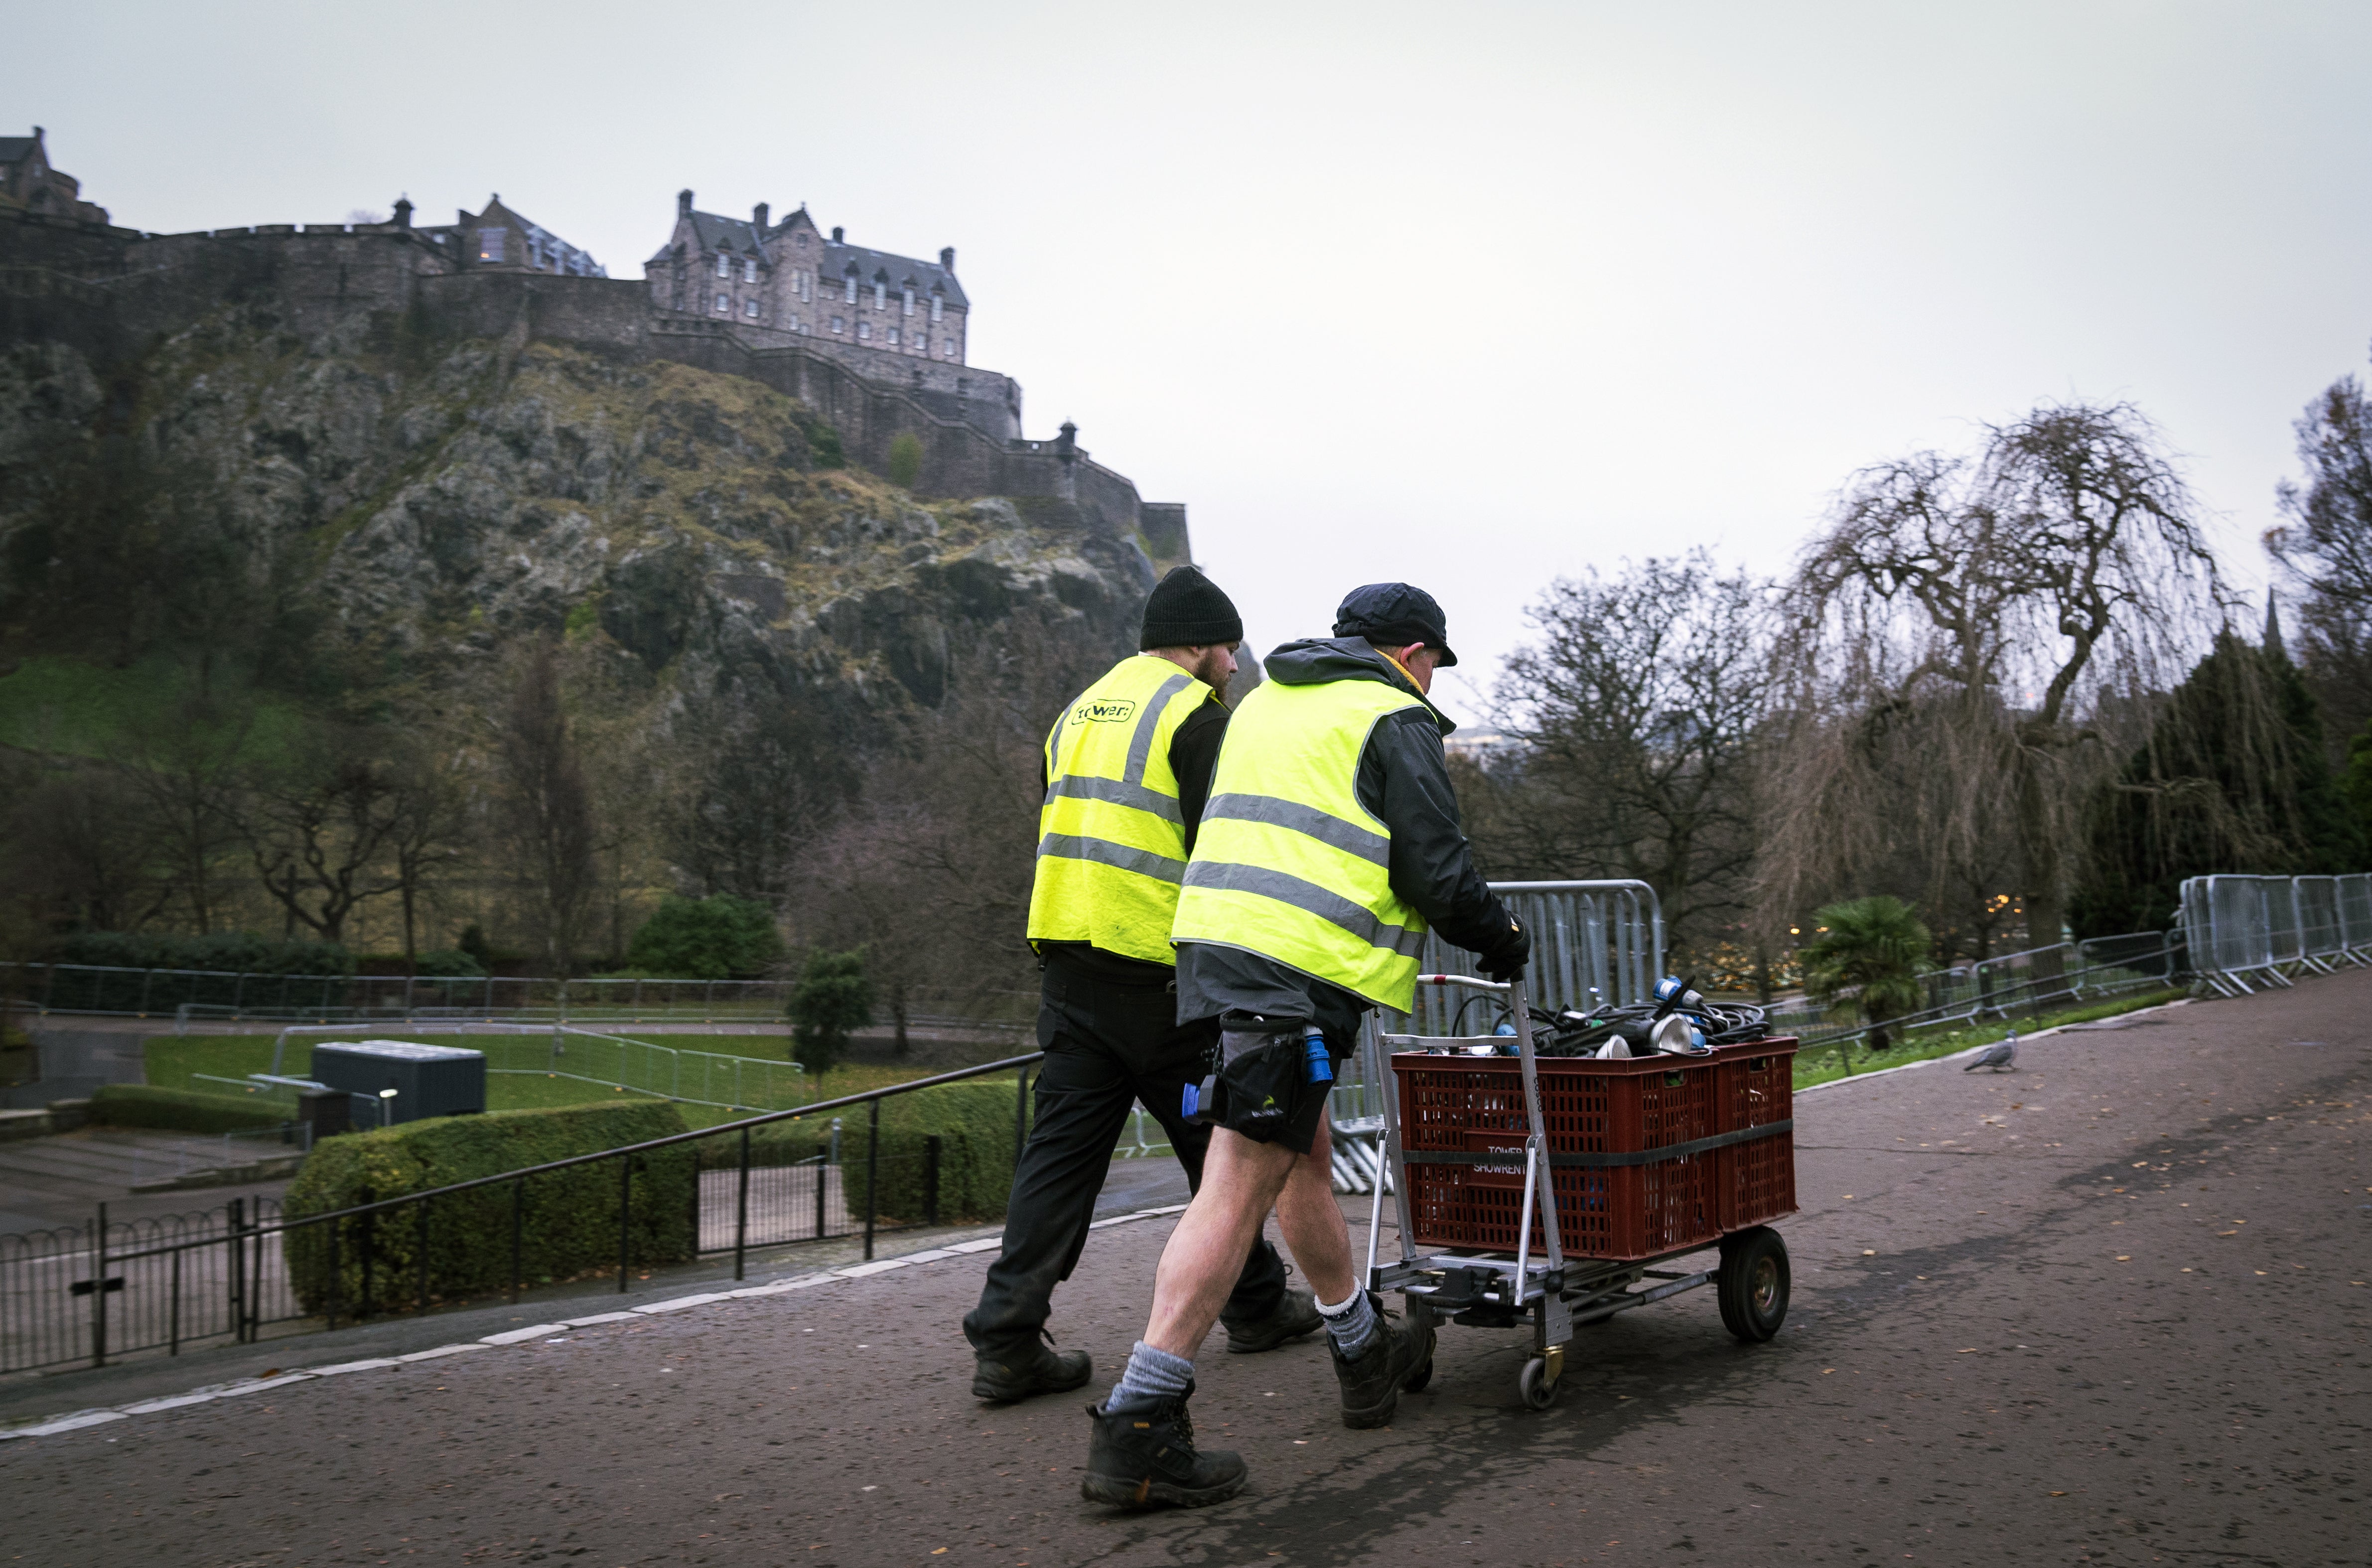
x=2110 y=1309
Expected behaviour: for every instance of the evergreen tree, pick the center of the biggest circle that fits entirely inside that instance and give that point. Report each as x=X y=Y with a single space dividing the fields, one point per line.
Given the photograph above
x=2233 y=779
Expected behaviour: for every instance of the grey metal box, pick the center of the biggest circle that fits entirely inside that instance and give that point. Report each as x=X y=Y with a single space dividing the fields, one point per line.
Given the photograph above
x=428 y=1080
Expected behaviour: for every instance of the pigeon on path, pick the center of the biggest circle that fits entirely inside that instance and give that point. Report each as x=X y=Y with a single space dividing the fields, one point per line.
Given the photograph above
x=2001 y=1055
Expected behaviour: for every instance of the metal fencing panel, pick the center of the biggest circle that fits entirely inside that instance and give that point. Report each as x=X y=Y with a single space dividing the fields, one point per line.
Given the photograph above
x=2249 y=931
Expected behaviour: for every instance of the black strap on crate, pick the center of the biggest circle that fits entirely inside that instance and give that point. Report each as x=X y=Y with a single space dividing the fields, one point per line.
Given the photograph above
x=1600 y=1162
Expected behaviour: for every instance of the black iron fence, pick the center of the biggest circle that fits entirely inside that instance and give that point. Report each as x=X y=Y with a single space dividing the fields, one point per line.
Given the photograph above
x=88 y=1294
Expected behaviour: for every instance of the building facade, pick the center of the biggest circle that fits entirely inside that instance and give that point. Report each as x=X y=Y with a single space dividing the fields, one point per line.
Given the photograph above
x=790 y=277
x=29 y=184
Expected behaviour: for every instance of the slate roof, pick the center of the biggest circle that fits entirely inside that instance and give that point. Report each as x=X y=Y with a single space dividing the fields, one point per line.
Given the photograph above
x=895 y=270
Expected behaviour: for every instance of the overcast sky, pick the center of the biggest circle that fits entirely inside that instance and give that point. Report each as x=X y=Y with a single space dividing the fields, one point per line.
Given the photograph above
x=1473 y=295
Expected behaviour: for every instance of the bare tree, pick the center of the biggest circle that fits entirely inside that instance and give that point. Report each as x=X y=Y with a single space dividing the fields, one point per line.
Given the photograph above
x=2326 y=548
x=1991 y=603
x=1638 y=709
x=320 y=836
x=429 y=800
x=186 y=767
x=545 y=815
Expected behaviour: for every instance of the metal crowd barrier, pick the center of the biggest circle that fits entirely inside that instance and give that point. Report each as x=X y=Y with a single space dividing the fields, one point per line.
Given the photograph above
x=1594 y=944
x=2246 y=933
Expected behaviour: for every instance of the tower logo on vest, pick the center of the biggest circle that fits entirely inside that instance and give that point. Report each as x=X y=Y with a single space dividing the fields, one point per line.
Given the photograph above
x=1108 y=709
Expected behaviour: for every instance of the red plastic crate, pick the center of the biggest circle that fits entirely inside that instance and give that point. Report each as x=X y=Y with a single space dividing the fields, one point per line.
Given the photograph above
x=1475 y=1104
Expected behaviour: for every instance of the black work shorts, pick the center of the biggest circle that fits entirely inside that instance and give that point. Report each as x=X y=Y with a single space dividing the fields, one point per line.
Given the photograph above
x=1265 y=1089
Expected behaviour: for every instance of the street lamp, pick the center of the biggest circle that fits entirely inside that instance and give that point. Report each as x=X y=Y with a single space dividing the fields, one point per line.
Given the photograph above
x=386 y=1107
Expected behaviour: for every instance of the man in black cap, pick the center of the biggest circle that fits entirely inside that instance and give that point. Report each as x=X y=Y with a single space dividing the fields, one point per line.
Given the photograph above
x=1330 y=846
x=1126 y=771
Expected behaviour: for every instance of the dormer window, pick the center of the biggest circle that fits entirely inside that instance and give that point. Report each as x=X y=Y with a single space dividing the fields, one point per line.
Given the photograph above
x=490 y=244
x=724 y=266
x=749 y=271
x=880 y=295
x=851 y=281
x=908 y=309
x=939 y=307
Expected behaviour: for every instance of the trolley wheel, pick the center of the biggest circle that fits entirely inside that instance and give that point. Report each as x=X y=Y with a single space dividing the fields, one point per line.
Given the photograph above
x=1533 y=1383
x=1754 y=1283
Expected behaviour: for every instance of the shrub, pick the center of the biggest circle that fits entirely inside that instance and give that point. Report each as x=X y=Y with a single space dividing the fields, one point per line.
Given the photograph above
x=972 y=1122
x=834 y=997
x=570 y=1223
x=182 y=1110
x=905 y=458
x=1868 y=959
x=235 y=951
x=714 y=938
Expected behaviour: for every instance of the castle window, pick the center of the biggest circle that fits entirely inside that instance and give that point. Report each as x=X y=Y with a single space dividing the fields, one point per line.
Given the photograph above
x=882 y=297
x=724 y=266
x=948 y=347
x=750 y=272
x=908 y=306
x=851 y=281
x=939 y=307
x=893 y=337
x=838 y=325
x=750 y=308
x=791 y=324
x=724 y=302
x=865 y=328
x=490 y=244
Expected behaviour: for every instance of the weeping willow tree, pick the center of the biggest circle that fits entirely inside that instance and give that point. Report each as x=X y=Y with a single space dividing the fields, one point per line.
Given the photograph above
x=2232 y=778
x=1971 y=645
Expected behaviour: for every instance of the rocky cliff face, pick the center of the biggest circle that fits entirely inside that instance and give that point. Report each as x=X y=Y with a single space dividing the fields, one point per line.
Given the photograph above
x=431 y=501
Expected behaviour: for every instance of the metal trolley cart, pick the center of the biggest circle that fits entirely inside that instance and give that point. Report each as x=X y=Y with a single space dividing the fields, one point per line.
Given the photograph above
x=1621 y=1166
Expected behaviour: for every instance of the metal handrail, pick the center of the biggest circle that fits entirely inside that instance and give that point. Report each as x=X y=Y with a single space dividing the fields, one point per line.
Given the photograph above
x=622 y=1151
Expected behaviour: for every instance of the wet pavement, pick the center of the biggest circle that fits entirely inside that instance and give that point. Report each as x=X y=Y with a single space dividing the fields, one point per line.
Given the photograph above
x=2110 y=1308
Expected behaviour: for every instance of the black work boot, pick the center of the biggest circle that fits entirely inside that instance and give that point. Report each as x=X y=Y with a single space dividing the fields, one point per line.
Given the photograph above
x=1295 y=1315
x=1034 y=1368
x=1398 y=1355
x=1143 y=1453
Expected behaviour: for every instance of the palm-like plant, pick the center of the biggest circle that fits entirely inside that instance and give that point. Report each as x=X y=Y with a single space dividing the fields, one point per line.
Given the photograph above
x=1868 y=960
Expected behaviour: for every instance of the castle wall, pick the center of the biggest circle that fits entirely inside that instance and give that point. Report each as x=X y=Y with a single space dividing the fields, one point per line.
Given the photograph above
x=110 y=292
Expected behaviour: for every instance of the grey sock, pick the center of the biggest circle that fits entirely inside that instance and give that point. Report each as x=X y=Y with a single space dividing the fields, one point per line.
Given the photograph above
x=1153 y=1374
x=1351 y=1322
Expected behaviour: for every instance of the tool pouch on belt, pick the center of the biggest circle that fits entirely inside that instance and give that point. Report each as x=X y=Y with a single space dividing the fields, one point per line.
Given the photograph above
x=1262 y=1072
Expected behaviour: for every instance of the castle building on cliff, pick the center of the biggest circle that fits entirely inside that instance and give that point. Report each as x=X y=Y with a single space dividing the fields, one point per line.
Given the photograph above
x=875 y=343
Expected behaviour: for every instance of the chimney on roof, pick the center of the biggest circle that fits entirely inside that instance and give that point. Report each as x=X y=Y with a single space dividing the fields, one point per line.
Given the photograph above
x=683 y=203
x=837 y=232
x=758 y=215
x=404 y=211
x=948 y=258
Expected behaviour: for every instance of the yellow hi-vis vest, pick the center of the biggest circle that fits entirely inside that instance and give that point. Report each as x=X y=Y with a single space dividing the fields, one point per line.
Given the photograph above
x=1112 y=839
x=1287 y=863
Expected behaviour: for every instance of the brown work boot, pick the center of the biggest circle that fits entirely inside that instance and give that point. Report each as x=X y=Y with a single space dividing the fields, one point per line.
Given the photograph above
x=1295 y=1315
x=1143 y=1453
x=1397 y=1354
x=1035 y=1368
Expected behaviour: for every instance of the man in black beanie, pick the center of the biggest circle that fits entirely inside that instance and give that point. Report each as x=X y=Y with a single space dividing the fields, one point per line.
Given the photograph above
x=1126 y=771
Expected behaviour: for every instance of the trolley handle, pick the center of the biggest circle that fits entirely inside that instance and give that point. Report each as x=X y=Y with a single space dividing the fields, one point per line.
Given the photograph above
x=1471 y=981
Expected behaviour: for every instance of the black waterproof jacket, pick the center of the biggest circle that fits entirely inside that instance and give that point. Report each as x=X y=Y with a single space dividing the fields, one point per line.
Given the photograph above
x=1403 y=779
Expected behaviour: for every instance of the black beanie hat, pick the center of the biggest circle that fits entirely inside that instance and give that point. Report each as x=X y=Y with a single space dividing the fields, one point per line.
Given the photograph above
x=1187 y=609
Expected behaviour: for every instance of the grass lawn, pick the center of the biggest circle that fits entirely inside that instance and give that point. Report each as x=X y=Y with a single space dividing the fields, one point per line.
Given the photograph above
x=1820 y=1064
x=175 y=1061
x=70 y=705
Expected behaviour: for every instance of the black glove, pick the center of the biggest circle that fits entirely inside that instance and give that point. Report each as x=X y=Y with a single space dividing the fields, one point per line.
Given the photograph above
x=1510 y=954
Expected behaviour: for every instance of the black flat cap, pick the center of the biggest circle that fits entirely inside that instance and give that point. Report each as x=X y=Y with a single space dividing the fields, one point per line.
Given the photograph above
x=1393 y=615
x=1188 y=610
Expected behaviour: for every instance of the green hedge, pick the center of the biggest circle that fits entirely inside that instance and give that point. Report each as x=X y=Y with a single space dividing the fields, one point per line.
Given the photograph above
x=972 y=1122
x=183 y=1110
x=570 y=1225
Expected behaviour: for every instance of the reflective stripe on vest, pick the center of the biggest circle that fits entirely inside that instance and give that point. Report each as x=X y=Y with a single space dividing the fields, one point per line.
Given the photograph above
x=1287 y=863
x=1111 y=838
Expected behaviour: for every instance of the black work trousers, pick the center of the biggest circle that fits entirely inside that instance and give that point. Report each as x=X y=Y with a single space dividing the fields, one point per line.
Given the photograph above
x=1106 y=1047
